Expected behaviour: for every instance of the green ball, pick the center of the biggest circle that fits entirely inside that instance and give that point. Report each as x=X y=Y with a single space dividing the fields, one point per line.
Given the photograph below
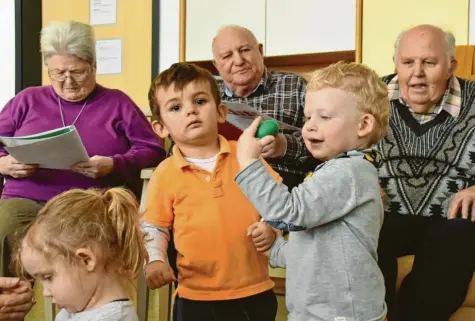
x=266 y=128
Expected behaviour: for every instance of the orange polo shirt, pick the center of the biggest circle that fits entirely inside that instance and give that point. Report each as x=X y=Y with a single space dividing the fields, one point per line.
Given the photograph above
x=209 y=215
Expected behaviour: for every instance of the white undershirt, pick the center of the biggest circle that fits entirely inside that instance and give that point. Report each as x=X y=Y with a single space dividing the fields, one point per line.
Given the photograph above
x=157 y=242
x=204 y=163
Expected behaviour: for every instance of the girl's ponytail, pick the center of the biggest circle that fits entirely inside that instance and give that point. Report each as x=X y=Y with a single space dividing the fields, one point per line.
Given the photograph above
x=123 y=213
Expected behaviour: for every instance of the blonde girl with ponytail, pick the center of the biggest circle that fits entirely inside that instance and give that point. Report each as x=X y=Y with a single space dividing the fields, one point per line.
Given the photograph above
x=85 y=248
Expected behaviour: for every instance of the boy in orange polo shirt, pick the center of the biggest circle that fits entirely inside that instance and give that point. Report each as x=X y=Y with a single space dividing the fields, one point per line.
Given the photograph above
x=221 y=274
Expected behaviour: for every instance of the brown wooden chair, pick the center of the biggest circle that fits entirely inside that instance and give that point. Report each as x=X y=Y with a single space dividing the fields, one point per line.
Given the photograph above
x=465 y=56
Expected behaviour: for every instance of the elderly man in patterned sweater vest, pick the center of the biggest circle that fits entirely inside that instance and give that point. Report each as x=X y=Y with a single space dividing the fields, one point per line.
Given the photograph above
x=428 y=177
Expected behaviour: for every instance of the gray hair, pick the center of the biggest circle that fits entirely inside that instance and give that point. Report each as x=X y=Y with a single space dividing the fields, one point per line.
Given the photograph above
x=244 y=29
x=68 y=38
x=449 y=40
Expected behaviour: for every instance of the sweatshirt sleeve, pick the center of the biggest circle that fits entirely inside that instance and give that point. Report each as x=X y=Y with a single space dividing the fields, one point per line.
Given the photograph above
x=328 y=195
x=8 y=122
x=157 y=242
x=278 y=253
x=146 y=149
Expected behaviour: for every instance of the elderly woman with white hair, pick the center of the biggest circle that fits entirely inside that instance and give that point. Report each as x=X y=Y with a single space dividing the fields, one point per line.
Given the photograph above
x=116 y=134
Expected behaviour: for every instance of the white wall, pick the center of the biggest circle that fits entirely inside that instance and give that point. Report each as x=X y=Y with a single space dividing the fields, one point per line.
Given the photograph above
x=308 y=26
x=169 y=33
x=7 y=52
x=203 y=22
x=317 y=26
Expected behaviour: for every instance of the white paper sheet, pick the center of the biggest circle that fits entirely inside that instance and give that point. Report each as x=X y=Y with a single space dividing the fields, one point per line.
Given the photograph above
x=109 y=56
x=102 y=12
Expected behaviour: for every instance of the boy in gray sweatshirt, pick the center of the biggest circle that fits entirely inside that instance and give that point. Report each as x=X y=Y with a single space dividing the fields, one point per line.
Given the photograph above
x=331 y=262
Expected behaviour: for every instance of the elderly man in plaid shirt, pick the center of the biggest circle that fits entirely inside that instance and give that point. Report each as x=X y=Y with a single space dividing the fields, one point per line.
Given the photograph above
x=238 y=57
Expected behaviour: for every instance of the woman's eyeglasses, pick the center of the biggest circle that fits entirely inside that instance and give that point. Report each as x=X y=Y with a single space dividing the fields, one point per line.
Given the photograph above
x=76 y=75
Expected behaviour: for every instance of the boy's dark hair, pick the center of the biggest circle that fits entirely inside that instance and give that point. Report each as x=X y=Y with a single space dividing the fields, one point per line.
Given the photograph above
x=180 y=75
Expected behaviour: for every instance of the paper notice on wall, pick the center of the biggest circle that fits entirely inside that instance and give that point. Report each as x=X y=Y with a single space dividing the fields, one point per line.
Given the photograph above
x=109 y=56
x=102 y=12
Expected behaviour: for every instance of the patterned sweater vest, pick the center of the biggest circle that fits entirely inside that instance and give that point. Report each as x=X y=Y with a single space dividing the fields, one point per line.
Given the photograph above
x=425 y=165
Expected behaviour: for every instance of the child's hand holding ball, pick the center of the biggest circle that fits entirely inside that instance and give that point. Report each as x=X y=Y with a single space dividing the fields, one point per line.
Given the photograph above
x=267 y=128
x=253 y=139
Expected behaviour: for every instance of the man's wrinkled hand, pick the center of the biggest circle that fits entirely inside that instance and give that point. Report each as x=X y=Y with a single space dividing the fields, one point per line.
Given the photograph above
x=462 y=205
x=275 y=147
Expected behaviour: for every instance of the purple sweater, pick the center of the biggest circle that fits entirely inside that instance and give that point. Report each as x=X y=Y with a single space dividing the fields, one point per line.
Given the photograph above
x=110 y=125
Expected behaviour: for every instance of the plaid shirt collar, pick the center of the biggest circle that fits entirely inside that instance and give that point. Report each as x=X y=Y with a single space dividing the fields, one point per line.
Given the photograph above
x=451 y=102
x=264 y=83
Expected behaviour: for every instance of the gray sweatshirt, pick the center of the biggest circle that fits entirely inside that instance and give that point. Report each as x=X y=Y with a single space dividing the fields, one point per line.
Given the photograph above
x=332 y=269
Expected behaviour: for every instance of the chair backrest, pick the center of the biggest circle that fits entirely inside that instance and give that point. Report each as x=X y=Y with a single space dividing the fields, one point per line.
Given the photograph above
x=465 y=56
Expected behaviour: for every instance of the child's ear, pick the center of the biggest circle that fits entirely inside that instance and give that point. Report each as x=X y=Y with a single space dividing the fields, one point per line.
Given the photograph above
x=222 y=113
x=87 y=258
x=367 y=123
x=160 y=129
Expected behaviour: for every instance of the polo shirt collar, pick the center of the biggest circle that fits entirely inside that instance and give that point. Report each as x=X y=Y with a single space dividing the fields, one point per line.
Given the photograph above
x=180 y=161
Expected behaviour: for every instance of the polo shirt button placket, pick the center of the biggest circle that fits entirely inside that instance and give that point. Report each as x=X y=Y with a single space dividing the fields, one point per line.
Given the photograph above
x=217 y=187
